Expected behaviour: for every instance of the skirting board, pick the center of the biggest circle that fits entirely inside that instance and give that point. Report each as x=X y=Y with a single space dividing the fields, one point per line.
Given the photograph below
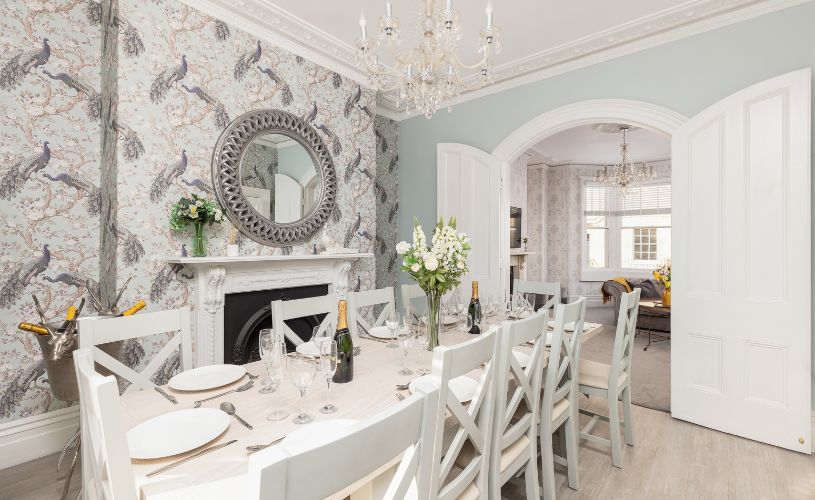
x=36 y=436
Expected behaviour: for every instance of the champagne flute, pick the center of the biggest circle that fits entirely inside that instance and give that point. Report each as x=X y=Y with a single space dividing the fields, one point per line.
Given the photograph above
x=392 y=323
x=266 y=345
x=277 y=371
x=405 y=340
x=302 y=371
x=421 y=348
x=328 y=366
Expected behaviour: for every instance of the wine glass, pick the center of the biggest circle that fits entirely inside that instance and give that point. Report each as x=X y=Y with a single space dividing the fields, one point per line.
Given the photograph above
x=392 y=324
x=302 y=371
x=328 y=366
x=405 y=341
x=266 y=346
x=420 y=341
x=277 y=371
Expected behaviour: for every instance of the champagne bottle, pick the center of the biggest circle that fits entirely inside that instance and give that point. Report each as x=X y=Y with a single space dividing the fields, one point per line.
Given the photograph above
x=30 y=327
x=345 y=347
x=474 y=311
x=138 y=306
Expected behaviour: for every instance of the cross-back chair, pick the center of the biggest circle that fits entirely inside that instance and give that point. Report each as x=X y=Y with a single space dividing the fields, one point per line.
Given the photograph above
x=517 y=399
x=411 y=295
x=97 y=331
x=368 y=298
x=559 y=403
x=613 y=381
x=460 y=464
x=406 y=428
x=105 y=456
x=283 y=310
x=550 y=290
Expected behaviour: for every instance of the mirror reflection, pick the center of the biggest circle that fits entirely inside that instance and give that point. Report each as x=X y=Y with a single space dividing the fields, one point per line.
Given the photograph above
x=279 y=178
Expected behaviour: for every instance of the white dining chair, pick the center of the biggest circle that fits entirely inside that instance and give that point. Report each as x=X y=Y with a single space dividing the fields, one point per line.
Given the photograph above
x=613 y=381
x=460 y=465
x=404 y=431
x=559 y=405
x=97 y=331
x=411 y=296
x=368 y=298
x=106 y=460
x=551 y=290
x=283 y=310
x=517 y=400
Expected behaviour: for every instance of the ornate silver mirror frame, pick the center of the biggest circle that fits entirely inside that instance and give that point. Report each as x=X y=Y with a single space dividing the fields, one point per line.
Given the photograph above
x=226 y=159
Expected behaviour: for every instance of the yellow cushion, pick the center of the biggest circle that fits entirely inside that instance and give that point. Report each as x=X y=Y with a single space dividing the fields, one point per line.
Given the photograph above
x=594 y=374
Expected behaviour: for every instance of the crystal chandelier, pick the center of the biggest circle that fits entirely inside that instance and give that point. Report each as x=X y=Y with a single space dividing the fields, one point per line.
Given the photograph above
x=625 y=173
x=428 y=75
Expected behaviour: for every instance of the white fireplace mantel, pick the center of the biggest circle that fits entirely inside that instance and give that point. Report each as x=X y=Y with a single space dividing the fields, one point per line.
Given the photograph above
x=215 y=277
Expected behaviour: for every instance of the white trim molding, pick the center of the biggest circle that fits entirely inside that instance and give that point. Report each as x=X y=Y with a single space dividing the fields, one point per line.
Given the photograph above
x=33 y=437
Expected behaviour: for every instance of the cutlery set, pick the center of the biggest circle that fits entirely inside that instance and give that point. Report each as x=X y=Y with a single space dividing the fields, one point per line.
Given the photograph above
x=244 y=387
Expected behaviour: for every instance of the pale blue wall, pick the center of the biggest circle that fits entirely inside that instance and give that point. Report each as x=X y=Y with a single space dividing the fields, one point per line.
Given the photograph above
x=686 y=76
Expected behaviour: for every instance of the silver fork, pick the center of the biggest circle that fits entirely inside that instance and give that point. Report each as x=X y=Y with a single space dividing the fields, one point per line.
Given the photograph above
x=242 y=388
x=257 y=447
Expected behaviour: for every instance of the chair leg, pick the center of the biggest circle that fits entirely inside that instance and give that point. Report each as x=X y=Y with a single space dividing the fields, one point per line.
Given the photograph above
x=531 y=475
x=614 y=431
x=571 y=433
x=547 y=465
x=629 y=423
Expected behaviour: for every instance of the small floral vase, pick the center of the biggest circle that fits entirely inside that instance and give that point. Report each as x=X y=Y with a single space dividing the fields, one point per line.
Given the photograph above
x=433 y=318
x=199 y=243
x=666 y=297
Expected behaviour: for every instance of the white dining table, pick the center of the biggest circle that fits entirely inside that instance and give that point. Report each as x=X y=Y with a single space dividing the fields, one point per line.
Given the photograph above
x=372 y=390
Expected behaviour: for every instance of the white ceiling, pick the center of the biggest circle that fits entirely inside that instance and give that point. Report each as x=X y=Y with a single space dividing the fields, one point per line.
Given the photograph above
x=584 y=145
x=541 y=37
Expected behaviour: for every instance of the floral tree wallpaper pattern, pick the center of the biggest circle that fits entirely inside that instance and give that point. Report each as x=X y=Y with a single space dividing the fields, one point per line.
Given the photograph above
x=182 y=76
x=386 y=189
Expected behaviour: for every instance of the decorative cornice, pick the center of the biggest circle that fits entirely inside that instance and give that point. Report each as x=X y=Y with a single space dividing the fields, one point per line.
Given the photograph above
x=276 y=25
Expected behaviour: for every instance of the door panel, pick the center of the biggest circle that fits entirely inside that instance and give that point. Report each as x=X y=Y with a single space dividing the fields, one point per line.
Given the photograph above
x=741 y=305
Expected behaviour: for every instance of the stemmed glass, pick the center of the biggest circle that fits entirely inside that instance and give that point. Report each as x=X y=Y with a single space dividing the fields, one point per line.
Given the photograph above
x=392 y=323
x=328 y=366
x=302 y=371
x=273 y=352
x=266 y=344
x=421 y=347
x=406 y=341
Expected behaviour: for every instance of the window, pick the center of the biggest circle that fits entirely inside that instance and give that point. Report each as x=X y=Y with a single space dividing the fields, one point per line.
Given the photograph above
x=626 y=233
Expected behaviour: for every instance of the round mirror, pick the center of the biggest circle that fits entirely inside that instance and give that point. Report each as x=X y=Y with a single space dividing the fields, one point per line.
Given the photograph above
x=279 y=178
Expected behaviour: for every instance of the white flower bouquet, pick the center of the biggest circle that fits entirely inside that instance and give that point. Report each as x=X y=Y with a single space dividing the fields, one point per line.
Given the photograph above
x=437 y=268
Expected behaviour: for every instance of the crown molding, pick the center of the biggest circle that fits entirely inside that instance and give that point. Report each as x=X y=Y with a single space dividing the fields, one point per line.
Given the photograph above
x=273 y=24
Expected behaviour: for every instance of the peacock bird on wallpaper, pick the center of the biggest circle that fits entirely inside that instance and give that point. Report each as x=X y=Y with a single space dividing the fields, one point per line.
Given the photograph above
x=90 y=191
x=132 y=147
x=167 y=79
x=170 y=173
x=336 y=146
x=312 y=114
x=22 y=63
x=131 y=248
x=197 y=183
x=20 y=172
x=246 y=61
x=220 y=117
x=286 y=96
x=93 y=107
x=18 y=386
x=21 y=277
x=349 y=170
x=75 y=281
x=352 y=101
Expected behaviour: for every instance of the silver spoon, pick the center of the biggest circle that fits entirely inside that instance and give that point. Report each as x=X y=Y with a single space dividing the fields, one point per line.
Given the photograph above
x=242 y=388
x=229 y=408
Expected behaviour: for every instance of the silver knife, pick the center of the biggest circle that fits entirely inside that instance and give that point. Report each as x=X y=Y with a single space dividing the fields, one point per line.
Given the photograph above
x=185 y=460
x=169 y=397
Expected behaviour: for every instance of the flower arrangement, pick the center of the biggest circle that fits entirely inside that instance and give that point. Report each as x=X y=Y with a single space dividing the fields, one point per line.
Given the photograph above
x=663 y=274
x=197 y=211
x=437 y=269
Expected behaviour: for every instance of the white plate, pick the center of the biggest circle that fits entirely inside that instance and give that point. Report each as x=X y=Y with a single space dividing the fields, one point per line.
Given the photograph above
x=313 y=435
x=206 y=377
x=380 y=332
x=463 y=387
x=308 y=349
x=176 y=432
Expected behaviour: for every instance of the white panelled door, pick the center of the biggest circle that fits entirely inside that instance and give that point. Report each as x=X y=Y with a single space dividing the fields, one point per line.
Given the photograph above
x=467 y=189
x=740 y=353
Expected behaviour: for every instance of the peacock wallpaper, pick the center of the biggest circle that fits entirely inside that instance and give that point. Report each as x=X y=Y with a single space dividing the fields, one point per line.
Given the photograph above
x=182 y=76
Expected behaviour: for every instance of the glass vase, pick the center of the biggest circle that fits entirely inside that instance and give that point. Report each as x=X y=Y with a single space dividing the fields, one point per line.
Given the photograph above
x=433 y=318
x=199 y=242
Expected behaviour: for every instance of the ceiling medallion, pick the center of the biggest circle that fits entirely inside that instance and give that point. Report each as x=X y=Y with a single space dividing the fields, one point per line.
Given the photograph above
x=428 y=75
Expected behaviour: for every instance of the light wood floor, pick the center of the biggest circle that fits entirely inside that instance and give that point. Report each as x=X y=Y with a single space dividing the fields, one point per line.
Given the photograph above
x=671 y=460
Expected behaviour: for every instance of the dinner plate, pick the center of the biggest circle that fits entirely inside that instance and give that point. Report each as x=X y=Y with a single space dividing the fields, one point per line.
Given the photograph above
x=380 y=332
x=206 y=377
x=463 y=387
x=176 y=432
x=313 y=435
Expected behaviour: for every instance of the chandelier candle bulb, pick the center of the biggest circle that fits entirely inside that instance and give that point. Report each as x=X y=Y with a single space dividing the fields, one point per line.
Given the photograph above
x=362 y=24
x=449 y=5
x=388 y=10
x=489 y=16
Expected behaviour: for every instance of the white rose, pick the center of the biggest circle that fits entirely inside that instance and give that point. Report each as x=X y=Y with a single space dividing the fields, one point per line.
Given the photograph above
x=415 y=268
x=460 y=264
x=431 y=263
x=402 y=247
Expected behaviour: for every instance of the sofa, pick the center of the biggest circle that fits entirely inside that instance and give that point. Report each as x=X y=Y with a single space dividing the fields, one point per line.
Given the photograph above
x=651 y=290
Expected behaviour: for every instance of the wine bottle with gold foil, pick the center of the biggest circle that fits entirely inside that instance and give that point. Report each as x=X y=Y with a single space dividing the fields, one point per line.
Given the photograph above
x=474 y=311
x=30 y=327
x=345 y=347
